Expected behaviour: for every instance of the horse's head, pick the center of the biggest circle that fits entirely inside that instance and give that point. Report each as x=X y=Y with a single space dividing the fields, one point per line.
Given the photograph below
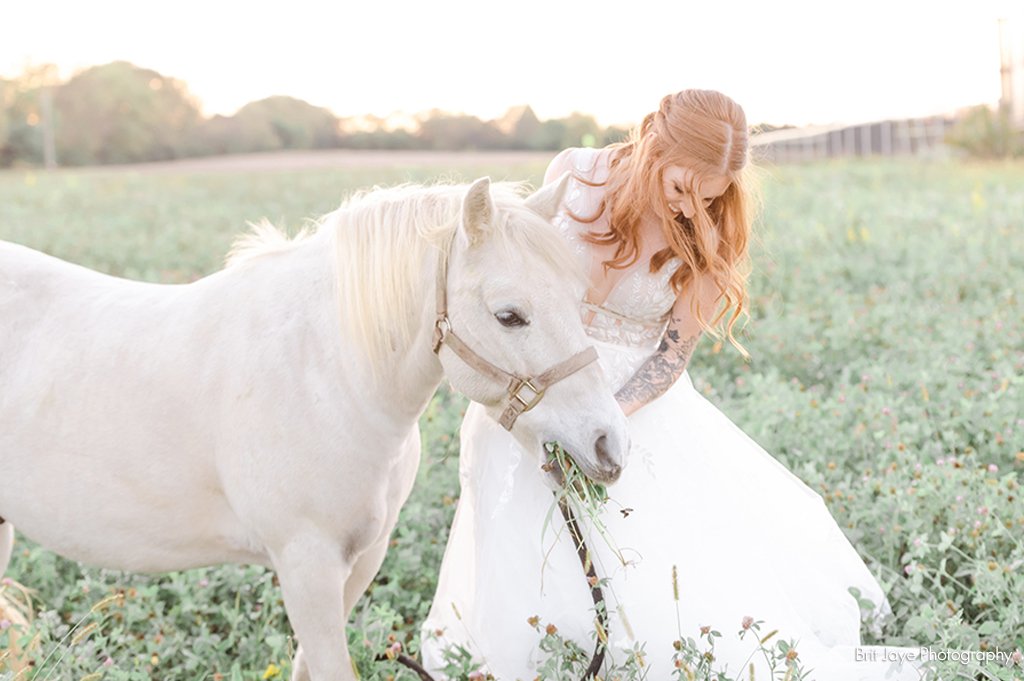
x=513 y=298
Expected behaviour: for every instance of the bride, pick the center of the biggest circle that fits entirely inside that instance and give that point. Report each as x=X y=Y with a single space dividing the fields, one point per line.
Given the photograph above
x=702 y=512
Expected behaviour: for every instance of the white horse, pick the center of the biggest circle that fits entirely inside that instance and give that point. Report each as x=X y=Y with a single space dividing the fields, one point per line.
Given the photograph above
x=267 y=413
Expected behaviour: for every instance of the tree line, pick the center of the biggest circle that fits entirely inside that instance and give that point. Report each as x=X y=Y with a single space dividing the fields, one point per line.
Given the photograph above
x=122 y=113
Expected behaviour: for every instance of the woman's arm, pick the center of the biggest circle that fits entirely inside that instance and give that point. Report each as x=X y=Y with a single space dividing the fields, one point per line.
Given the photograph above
x=657 y=374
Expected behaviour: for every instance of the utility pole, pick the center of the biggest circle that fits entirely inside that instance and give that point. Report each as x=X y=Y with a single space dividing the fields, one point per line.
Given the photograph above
x=1011 y=70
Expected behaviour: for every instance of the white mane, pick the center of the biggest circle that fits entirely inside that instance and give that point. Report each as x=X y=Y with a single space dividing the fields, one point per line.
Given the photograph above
x=263 y=238
x=382 y=237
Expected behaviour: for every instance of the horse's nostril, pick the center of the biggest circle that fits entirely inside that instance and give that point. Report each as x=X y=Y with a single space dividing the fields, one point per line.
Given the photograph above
x=601 y=450
x=607 y=459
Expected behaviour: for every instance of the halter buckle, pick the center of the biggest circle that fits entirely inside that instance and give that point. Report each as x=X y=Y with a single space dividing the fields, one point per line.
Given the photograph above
x=531 y=398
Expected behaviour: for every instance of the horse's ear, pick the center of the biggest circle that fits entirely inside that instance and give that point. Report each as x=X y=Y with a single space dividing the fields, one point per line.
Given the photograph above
x=546 y=200
x=477 y=210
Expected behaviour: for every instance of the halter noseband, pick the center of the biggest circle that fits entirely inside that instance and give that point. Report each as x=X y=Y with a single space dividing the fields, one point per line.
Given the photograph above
x=523 y=392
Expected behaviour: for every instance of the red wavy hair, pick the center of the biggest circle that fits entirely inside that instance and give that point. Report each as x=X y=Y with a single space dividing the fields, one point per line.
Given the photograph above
x=706 y=132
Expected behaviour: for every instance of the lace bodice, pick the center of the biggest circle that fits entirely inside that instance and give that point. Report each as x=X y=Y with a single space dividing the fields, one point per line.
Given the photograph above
x=636 y=310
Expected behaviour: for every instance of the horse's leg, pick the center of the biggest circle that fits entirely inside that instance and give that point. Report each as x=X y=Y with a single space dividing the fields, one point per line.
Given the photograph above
x=313 y=572
x=300 y=670
x=363 y=572
x=6 y=544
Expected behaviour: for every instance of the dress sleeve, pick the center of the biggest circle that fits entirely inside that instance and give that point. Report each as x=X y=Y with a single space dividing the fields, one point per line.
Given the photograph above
x=562 y=162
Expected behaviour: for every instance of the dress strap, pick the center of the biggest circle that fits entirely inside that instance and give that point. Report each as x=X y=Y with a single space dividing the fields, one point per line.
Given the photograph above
x=643 y=321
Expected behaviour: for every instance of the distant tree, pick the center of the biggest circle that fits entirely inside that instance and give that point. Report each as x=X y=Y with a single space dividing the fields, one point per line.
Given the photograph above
x=551 y=135
x=521 y=128
x=985 y=133
x=120 y=113
x=381 y=139
x=613 y=134
x=768 y=127
x=297 y=124
x=7 y=94
x=267 y=125
x=23 y=142
x=22 y=115
x=581 y=130
x=439 y=130
x=227 y=135
x=576 y=130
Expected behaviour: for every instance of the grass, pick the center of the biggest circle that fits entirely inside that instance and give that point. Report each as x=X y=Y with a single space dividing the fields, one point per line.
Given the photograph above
x=887 y=337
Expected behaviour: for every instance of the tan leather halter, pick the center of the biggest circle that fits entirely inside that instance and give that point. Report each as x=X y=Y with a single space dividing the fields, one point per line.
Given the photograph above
x=524 y=392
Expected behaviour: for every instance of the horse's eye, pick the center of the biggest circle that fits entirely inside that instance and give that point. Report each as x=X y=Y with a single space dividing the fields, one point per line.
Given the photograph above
x=510 y=318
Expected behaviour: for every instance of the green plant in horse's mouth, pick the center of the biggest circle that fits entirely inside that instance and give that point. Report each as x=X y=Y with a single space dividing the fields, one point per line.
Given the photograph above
x=574 y=483
x=586 y=498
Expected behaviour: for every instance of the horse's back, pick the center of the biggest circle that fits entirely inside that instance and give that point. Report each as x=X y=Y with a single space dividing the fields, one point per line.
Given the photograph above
x=30 y=281
x=35 y=290
x=19 y=262
x=65 y=330
x=88 y=396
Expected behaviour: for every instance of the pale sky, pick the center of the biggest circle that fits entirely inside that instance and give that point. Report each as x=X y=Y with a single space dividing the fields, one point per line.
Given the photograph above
x=785 y=61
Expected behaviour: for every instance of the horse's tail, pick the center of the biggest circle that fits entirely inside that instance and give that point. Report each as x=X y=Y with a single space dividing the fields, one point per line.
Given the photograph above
x=6 y=544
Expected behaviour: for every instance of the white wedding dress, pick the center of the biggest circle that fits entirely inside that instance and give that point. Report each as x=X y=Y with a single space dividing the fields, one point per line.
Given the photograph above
x=748 y=537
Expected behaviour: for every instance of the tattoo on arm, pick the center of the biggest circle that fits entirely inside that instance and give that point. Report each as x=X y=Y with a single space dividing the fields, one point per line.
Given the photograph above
x=661 y=370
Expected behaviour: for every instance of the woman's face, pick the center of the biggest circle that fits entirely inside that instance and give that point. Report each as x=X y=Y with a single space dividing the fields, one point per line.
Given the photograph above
x=682 y=191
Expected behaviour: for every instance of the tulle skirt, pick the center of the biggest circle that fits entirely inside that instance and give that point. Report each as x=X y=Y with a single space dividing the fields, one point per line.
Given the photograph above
x=746 y=538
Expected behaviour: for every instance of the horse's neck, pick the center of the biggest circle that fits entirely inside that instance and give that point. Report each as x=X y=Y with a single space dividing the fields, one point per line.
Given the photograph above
x=404 y=383
x=414 y=372
x=302 y=284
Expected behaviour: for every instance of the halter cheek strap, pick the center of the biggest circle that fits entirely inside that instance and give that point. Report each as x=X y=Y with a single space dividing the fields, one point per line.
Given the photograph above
x=522 y=392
